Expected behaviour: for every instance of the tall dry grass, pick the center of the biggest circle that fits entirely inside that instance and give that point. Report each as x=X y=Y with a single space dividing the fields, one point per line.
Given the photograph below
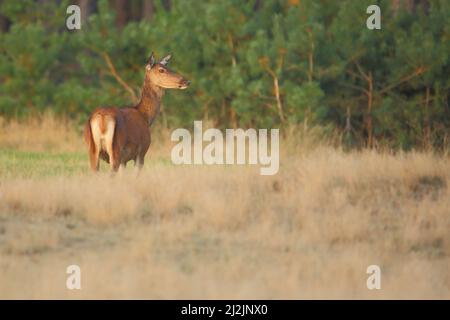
x=226 y=232
x=49 y=133
x=41 y=133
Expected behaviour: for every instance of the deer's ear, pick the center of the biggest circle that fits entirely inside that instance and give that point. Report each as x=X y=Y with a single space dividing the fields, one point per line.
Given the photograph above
x=151 y=60
x=164 y=61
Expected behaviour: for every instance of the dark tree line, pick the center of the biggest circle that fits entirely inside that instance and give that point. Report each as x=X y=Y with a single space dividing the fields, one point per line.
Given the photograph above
x=253 y=63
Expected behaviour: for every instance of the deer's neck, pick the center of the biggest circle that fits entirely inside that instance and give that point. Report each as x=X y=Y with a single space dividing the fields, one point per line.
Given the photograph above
x=150 y=100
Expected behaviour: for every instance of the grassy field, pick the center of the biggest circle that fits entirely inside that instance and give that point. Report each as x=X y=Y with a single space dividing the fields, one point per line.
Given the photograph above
x=220 y=232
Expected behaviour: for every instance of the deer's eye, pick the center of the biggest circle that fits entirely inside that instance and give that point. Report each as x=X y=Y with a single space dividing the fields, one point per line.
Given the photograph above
x=161 y=70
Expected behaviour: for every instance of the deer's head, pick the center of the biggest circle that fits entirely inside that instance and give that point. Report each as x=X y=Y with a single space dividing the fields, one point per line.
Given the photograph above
x=161 y=76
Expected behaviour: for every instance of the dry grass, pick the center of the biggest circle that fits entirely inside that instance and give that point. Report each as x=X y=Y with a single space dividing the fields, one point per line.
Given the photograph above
x=226 y=232
x=42 y=133
x=48 y=133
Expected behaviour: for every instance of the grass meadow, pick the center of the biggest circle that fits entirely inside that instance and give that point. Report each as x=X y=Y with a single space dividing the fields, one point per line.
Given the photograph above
x=220 y=232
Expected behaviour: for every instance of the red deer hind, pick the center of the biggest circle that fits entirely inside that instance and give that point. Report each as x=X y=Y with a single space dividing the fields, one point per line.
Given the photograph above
x=118 y=135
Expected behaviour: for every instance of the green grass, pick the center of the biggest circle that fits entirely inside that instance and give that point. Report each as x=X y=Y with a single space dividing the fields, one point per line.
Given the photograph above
x=15 y=163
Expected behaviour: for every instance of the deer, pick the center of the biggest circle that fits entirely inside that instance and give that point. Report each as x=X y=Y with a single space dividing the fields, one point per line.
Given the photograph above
x=118 y=135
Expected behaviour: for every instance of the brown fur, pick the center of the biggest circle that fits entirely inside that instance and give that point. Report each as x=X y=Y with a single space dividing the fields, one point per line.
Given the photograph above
x=118 y=135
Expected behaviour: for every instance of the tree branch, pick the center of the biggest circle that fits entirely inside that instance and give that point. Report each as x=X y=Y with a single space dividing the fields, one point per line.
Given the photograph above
x=362 y=72
x=366 y=92
x=119 y=79
x=416 y=73
x=354 y=74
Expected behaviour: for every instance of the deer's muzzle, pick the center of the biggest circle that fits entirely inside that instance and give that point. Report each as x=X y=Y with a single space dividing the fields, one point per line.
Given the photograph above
x=184 y=84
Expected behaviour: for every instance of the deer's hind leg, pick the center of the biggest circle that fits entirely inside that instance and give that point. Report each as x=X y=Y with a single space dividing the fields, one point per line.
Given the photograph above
x=112 y=147
x=114 y=157
x=93 y=139
x=94 y=158
x=94 y=153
